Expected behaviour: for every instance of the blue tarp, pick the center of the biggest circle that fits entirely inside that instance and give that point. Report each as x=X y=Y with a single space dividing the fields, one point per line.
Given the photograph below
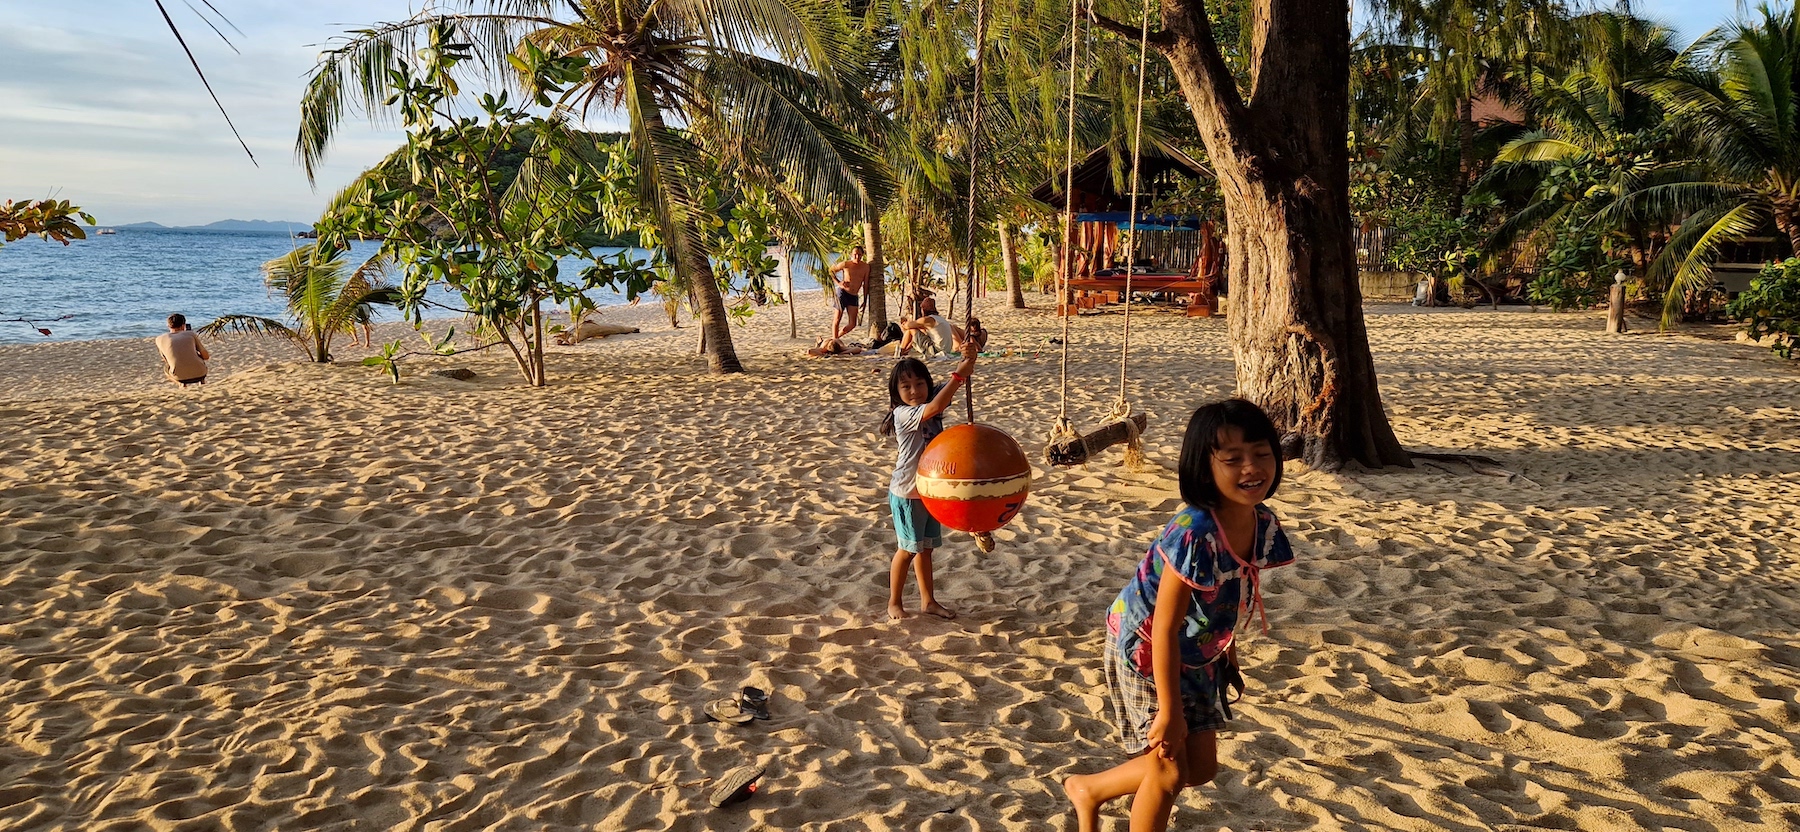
x=1146 y=222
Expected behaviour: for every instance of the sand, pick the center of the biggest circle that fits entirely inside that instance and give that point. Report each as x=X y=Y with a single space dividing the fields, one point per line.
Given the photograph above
x=304 y=598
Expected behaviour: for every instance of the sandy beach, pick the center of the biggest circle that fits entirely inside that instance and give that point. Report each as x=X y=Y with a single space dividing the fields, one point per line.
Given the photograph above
x=301 y=597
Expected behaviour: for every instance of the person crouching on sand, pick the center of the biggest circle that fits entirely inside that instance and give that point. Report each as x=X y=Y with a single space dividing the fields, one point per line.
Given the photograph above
x=1169 y=651
x=916 y=416
x=184 y=357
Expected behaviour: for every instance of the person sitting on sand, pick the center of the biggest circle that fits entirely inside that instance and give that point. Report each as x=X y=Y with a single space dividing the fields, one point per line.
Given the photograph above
x=928 y=334
x=847 y=292
x=184 y=357
x=914 y=418
x=1169 y=650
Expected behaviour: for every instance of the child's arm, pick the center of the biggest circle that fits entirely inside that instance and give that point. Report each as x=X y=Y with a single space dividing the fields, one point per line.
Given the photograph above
x=1168 y=732
x=941 y=402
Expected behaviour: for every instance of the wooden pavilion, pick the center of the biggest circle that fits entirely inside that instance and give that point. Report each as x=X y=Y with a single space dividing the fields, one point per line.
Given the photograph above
x=1175 y=254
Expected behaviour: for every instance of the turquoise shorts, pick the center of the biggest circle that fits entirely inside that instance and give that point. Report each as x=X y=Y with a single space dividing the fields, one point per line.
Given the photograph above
x=915 y=526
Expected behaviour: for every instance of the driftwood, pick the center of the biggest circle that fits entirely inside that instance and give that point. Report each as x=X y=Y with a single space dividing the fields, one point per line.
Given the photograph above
x=1078 y=451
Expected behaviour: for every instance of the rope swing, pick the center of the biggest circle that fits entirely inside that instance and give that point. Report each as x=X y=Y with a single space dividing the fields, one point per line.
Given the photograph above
x=974 y=477
x=1066 y=446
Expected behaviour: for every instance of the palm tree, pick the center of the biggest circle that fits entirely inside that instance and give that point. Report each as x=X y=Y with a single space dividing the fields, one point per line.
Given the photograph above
x=665 y=65
x=323 y=301
x=1736 y=94
x=1597 y=136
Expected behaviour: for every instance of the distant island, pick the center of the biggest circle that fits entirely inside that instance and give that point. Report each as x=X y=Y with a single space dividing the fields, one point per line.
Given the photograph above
x=227 y=225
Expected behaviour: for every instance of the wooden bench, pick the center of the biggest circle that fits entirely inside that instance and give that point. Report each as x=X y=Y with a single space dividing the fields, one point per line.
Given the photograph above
x=1112 y=290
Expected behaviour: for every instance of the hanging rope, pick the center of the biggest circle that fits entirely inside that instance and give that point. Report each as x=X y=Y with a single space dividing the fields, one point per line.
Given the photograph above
x=1121 y=410
x=1063 y=430
x=974 y=156
x=983 y=540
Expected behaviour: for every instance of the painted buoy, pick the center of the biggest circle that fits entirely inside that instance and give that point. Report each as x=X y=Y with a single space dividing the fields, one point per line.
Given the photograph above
x=973 y=478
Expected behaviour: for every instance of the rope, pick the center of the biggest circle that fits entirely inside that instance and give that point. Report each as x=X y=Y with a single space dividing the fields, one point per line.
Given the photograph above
x=1137 y=156
x=1063 y=429
x=974 y=141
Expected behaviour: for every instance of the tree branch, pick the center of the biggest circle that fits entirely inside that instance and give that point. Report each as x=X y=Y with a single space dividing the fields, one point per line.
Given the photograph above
x=1192 y=50
x=1160 y=38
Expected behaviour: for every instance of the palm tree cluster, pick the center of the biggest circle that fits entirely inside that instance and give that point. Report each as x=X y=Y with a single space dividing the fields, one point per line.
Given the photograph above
x=842 y=117
x=1609 y=146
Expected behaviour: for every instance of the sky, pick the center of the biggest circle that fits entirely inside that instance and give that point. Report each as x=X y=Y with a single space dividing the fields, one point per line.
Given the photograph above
x=99 y=106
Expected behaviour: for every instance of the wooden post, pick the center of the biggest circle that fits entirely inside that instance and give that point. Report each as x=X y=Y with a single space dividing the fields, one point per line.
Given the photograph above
x=785 y=263
x=1615 y=309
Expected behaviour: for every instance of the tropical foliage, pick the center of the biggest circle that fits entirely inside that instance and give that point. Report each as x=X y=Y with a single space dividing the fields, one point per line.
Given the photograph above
x=1771 y=309
x=451 y=215
x=48 y=218
x=325 y=299
x=748 y=84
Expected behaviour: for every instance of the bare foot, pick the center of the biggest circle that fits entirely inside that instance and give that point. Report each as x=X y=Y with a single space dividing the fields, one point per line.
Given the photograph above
x=939 y=610
x=897 y=612
x=1087 y=812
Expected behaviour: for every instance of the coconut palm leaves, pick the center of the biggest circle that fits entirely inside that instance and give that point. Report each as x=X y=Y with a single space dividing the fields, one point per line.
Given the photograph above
x=668 y=67
x=324 y=300
x=1736 y=95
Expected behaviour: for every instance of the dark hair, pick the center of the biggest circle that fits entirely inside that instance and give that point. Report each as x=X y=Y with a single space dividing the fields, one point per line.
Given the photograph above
x=904 y=367
x=177 y=321
x=1202 y=440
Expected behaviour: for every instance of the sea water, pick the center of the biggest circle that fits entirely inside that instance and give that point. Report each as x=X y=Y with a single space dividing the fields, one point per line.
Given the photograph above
x=126 y=284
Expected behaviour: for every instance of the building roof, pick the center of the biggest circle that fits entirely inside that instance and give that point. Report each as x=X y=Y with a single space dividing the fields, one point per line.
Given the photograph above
x=1094 y=188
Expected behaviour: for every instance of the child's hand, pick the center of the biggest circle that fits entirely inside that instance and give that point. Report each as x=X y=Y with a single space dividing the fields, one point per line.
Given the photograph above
x=1168 y=734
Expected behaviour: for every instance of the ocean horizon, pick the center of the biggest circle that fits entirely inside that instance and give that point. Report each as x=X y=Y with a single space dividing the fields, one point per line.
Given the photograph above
x=126 y=284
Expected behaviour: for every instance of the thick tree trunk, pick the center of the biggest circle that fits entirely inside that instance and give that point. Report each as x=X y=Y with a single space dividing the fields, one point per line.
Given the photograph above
x=1296 y=310
x=1009 y=254
x=875 y=288
x=684 y=247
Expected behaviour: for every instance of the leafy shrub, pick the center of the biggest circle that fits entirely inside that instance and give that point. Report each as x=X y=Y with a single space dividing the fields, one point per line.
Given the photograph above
x=1772 y=306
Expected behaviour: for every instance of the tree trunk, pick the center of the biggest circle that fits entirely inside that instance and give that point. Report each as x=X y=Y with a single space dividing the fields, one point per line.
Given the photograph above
x=1296 y=309
x=535 y=342
x=875 y=288
x=1465 y=148
x=660 y=169
x=1009 y=254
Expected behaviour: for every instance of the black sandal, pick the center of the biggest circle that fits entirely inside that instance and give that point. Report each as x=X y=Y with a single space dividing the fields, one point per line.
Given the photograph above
x=755 y=702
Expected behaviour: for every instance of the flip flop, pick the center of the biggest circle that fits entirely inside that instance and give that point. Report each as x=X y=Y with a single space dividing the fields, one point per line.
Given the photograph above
x=737 y=784
x=728 y=712
x=755 y=702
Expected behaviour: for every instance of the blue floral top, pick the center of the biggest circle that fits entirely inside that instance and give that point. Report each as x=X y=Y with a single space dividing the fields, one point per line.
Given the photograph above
x=1224 y=585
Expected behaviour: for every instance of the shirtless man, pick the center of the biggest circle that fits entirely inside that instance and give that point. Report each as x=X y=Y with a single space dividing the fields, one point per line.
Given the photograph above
x=847 y=292
x=184 y=357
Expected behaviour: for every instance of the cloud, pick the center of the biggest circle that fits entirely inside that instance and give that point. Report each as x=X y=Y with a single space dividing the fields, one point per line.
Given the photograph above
x=104 y=109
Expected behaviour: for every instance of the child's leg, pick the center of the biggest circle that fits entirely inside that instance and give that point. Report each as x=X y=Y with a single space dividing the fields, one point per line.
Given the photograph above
x=897 y=583
x=927 y=591
x=1155 y=780
x=1202 y=759
x=1088 y=792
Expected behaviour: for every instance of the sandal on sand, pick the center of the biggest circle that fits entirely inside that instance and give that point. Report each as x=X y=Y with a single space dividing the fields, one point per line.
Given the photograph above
x=737 y=784
x=755 y=702
x=728 y=712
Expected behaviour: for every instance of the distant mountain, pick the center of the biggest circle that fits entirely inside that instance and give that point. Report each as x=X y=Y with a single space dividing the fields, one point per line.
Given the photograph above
x=228 y=225
x=253 y=225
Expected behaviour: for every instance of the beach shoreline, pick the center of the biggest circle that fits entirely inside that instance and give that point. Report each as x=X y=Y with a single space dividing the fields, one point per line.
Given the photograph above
x=301 y=597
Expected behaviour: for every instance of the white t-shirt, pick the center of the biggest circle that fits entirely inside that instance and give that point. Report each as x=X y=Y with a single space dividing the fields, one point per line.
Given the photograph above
x=912 y=434
x=939 y=336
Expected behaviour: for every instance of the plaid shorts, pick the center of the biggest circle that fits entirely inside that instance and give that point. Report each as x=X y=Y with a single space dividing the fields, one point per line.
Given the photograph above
x=1134 y=699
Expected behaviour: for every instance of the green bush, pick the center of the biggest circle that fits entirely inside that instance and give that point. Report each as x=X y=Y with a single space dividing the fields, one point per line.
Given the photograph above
x=1772 y=306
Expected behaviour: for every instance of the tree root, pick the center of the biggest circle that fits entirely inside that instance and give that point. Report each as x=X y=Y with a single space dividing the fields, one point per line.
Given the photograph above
x=1476 y=462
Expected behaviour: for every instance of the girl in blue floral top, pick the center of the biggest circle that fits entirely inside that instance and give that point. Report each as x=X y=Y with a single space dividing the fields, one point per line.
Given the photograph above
x=1169 y=651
